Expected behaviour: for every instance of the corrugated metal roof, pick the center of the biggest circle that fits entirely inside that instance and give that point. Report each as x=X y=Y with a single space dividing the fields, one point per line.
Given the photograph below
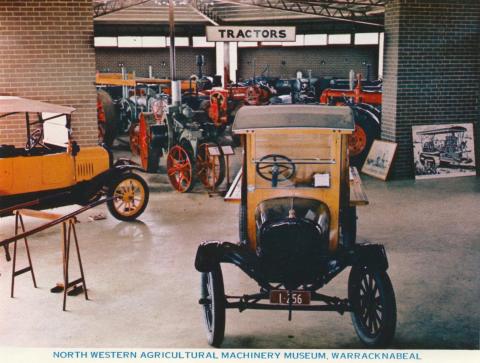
x=235 y=11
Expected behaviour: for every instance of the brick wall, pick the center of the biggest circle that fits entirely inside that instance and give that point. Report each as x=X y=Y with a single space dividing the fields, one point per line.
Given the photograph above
x=108 y=60
x=335 y=61
x=431 y=70
x=46 y=54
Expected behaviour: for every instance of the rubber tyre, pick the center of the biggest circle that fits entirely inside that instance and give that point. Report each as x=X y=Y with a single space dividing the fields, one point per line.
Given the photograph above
x=111 y=203
x=214 y=313
x=372 y=131
x=383 y=334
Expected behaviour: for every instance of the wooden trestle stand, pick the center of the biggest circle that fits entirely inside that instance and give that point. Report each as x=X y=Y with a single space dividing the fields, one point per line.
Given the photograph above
x=68 y=232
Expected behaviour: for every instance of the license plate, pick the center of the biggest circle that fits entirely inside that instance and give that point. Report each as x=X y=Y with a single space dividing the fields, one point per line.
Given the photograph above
x=282 y=297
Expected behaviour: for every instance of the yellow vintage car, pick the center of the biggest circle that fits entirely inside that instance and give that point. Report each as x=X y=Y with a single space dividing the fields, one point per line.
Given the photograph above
x=298 y=202
x=52 y=170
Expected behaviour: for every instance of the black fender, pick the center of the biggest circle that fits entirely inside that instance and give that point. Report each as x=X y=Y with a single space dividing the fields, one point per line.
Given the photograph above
x=373 y=114
x=211 y=253
x=370 y=256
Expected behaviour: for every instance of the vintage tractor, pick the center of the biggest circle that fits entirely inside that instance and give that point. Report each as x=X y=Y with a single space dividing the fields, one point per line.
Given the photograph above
x=209 y=113
x=366 y=105
x=191 y=135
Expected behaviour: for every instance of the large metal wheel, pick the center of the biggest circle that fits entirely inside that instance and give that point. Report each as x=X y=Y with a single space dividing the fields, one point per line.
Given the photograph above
x=210 y=168
x=213 y=304
x=130 y=197
x=374 y=314
x=367 y=129
x=180 y=169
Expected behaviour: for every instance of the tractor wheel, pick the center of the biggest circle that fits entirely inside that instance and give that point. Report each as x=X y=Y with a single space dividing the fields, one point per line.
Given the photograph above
x=213 y=304
x=210 y=168
x=153 y=161
x=180 y=169
x=366 y=131
x=108 y=115
x=372 y=298
x=130 y=197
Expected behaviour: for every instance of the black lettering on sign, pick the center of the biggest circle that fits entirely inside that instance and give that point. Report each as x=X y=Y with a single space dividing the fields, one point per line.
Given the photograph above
x=273 y=33
x=230 y=33
x=282 y=33
x=240 y=34
x=222 y=32
x=265 y=33
x=248 y=33
x=257 y=32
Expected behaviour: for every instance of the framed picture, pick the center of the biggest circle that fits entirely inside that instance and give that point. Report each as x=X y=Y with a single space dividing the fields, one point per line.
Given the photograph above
x=441 y=151
x=379 y=159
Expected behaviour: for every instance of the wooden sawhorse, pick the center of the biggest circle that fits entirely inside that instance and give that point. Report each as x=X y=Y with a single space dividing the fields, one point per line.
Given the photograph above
x=68 y=231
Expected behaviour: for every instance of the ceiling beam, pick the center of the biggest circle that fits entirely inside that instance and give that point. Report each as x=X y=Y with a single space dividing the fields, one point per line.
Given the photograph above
x=110 y=6
x=202 y=14
x=354 y=11
x=202 y=9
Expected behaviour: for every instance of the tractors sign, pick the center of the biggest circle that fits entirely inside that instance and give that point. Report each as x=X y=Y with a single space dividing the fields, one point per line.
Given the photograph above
x=251 y=33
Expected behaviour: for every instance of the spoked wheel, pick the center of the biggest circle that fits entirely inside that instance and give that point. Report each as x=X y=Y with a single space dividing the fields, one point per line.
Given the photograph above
x=374 y=314
x=357 y=141
x=180 y=169
x=130 y=197
x=367 y=129
x=213 y=304
x=210 y=167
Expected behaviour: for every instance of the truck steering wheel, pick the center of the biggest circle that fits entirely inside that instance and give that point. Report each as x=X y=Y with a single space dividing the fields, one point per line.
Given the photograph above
x=35 y=138
x=275 y=168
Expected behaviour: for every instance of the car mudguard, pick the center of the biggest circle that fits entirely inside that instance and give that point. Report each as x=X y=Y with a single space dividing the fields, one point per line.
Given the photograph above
x=211 y=253
x=370 y=256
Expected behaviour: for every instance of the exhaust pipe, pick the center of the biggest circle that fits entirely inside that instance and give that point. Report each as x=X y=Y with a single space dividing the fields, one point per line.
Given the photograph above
x=176 y=93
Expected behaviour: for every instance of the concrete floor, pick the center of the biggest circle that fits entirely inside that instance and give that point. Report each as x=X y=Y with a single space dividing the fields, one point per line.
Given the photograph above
x=144 y=289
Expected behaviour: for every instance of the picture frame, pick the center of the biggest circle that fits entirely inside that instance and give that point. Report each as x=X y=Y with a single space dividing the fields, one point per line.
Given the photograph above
x=443 y=150
x=379 y=159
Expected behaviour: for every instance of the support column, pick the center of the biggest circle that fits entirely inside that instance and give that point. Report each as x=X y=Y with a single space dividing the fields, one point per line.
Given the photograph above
x=431 y=71
x=227 y=52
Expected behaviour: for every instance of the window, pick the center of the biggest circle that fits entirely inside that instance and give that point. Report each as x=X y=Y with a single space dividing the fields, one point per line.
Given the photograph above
x=339 y=39
x=201 y=42
x=105 y=41
x=153 y=42
x=315 y=39
x=129 y=42
x=366 y=38
x=299 y=40
x=179 y=41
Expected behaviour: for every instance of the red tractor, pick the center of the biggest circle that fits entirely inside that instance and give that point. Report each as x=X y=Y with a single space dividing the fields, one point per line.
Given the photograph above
x=366 y=105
